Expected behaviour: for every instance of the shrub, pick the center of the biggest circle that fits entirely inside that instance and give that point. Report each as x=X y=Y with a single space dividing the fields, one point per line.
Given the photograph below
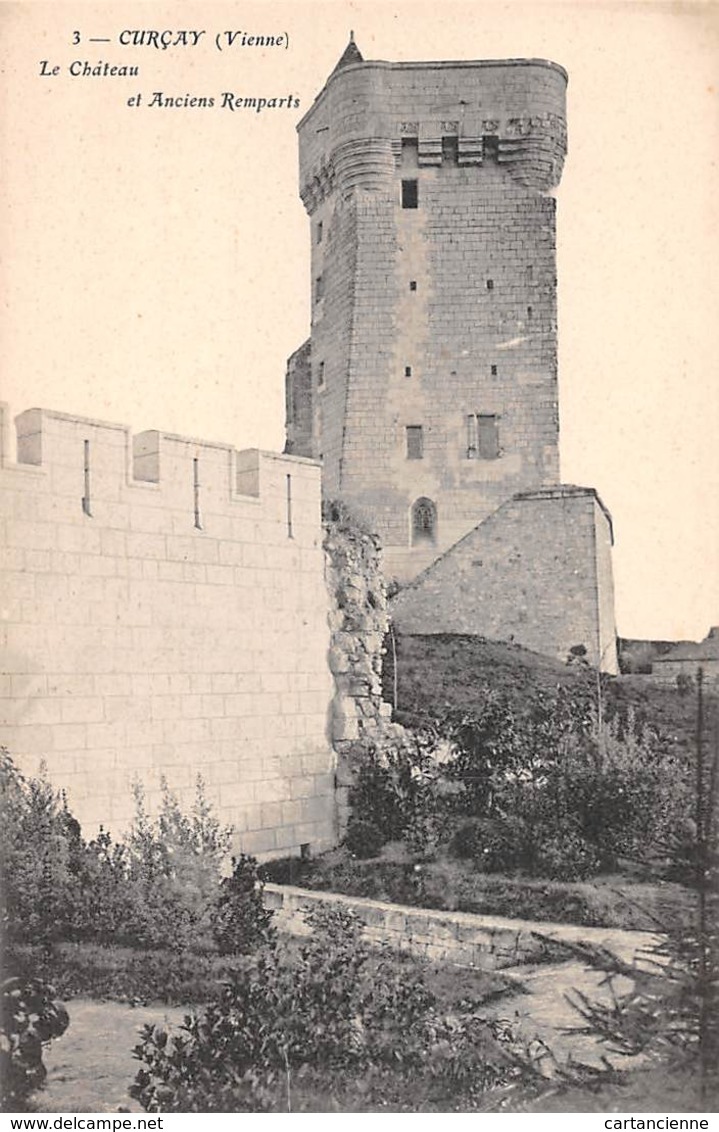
x=571 y=783
x=495 y=845
x=364 y=838
x=40 y=842
x=240 y=921
x=31 y=1017
x=156 y=889
x=466 y=840
x=567 y=856
x=336 y=1011
x=403 y=789
x=174 y=864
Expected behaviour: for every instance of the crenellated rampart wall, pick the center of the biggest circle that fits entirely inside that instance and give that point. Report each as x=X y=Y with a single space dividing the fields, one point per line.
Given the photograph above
x=164 y=613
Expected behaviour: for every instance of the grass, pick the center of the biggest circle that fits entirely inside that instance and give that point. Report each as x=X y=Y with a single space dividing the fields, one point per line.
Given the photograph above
x=448 y=671
x=188 y=978
x=446 y=884
x=122 y=974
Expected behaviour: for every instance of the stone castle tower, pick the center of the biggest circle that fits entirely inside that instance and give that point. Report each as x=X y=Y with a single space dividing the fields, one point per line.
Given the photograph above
x=428 y=387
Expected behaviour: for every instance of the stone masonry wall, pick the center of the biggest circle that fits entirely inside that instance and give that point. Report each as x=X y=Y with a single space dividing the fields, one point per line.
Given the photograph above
x=165 y=613
x=461 y=938
x=537 y=572
x=436 y=315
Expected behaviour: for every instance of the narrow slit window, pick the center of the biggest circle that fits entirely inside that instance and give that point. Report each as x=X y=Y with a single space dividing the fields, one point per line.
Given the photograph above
x=289 y=507
x=415 y=442
x=410 y=151
x=320 y=375
x=410 y=194
x=450 y=150
x=529 y=312
x=196 y=492
x=86 y=478
x=319 y=288
x=320 y=231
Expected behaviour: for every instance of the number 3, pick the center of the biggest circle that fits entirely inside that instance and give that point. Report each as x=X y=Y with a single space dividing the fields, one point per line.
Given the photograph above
x=76 y=38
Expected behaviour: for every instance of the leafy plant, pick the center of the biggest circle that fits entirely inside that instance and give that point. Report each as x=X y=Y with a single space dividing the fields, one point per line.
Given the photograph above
x=363 y=838
x=403 y=788
x=240 y=921
x=670 y=1011
x=334 y=1011
x=574 y=791
x=155 y=889
x=31 y=1018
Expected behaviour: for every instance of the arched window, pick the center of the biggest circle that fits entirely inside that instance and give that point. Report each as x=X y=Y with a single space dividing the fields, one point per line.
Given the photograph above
x=424 y=522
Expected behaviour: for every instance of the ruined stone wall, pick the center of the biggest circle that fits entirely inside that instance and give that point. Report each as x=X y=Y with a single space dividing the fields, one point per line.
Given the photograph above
x=164 y=612
x=536 y=572
x=359 y=622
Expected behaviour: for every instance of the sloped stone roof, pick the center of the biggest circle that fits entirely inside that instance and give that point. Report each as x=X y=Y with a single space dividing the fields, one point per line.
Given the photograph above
x=351 y=54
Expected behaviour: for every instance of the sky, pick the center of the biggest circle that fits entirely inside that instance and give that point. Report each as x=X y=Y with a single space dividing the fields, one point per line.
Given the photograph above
x=155 y=265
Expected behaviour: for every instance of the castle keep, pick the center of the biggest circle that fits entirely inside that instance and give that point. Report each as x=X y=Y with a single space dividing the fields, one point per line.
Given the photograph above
x=428 y=387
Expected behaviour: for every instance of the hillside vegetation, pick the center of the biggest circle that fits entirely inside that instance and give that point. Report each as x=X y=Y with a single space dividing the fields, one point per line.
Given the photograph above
x=445 y=672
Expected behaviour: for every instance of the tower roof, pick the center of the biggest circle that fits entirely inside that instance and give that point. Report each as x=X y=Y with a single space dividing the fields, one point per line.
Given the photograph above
x=351 y=54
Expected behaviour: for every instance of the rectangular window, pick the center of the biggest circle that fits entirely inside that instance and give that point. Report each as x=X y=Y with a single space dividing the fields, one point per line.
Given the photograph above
x=414 y=442
x=450 y=147
x=320 y=375
x=319 y=231
x=410 y=194
x=488 y=434
x=482 y=436
x=319 y=288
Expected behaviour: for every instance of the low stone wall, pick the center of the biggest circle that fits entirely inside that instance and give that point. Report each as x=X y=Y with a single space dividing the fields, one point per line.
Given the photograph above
x=461 y=938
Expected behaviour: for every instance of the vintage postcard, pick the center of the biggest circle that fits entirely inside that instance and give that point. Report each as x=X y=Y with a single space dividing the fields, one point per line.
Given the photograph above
x=360 y=554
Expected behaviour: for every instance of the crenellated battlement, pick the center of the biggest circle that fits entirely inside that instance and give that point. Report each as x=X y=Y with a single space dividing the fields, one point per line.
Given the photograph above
x=164 y=613
x=510 y=111
x=96 y=470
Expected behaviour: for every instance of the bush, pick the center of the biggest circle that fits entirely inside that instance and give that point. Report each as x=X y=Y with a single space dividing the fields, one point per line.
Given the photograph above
x=335 y=1012
x=240 y=921
x=567 y=856
x=155 y=889
x=573 y=791
x=495 y=845
x=31 y=1017
x=364 y=838
x=403 y=789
